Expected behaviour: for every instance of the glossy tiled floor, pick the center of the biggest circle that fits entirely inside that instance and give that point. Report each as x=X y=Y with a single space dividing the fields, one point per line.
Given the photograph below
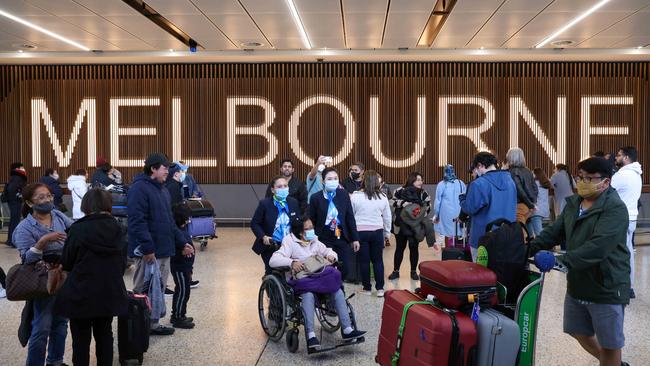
x=228 y=330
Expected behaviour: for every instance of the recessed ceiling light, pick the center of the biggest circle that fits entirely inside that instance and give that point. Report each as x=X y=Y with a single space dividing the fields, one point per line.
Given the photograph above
x=24 y=46
x=43 y=30
x=573 y=22
x=301 y=27
x=562 y=43
x=251 y=44
x=482 y=47
x=20 y=51
x=171 y=50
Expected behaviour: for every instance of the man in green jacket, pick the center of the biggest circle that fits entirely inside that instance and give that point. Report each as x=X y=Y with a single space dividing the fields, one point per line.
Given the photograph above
x=594 y=225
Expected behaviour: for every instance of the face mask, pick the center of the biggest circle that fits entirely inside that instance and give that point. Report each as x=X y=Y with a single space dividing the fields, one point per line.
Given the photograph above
x=321 y=167
x=43 y=208
x=183 y=175
x=310 y=234
x=282 y=193
x=587 y=190
x=331 y=185
x=355 y=175
x=55 y=176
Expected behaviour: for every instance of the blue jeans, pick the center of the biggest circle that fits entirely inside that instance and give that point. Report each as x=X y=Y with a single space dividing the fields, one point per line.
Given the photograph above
x=371 y=250
x=48 y=331
x=534 y=225
x=338 y=299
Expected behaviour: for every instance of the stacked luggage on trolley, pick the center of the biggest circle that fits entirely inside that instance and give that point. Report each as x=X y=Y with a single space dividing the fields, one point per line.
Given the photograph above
x=202 y=226
x=466 y=313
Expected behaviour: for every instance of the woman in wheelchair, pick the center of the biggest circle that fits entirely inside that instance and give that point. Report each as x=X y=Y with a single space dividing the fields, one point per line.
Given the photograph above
x=296 y=248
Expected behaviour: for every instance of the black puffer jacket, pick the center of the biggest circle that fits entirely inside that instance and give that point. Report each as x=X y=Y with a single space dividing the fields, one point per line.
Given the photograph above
x=527 y=190
x=95 y=257
x=14 y=188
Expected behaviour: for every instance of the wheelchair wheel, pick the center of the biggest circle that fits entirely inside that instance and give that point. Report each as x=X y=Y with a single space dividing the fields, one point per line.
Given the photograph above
x=328 y=319
x=272 y=304
x=292 y=340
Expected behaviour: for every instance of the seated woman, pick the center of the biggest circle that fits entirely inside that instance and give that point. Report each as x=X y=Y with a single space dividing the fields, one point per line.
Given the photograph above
x=301 y=244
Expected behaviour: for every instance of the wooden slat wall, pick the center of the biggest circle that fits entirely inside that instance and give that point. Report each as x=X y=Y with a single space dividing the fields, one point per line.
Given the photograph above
x=403 y=92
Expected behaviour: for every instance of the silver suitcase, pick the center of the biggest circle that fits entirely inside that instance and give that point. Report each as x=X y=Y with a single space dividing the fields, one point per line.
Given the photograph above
x=498 y=339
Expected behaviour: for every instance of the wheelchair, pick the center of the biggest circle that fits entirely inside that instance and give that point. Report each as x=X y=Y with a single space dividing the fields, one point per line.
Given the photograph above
x=281 y=314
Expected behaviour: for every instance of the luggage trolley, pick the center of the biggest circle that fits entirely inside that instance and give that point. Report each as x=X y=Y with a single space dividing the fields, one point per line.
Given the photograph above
x=203 y=226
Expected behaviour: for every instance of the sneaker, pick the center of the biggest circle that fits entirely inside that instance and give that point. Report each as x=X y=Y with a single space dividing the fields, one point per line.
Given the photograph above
x=366 y=292
x=161 y=330
x=183 y=323
x=394 y=275
x=414 y=276
x=380 y=293
x=169 y=292
x=354 y=335
x=3 y=293
x=632 y=294
x=313 y=343
x=624 y=363
x=174 y=319
x=194 y=284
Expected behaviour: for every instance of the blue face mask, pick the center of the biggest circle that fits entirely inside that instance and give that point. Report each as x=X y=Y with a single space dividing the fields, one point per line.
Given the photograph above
x=183 y=175
x=282 y=193
x=310 y=234
x=331 y=185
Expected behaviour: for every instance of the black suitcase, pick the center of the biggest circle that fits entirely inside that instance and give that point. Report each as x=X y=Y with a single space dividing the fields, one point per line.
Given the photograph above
x=201 y=208
x=133 y=329
x=459 y=251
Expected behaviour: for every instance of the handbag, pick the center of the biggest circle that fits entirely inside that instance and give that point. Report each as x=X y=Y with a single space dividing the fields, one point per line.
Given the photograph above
x=313 y=264
x=27 y=281
x=55 y=279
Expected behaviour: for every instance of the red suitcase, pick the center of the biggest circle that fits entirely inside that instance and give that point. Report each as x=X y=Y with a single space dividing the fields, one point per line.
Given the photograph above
x=431 y=336
x=454 y=282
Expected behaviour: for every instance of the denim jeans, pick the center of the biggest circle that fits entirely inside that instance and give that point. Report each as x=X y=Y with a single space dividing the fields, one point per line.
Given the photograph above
x=371 y=250
x=534 y=225
x=48 y=331
x=308 y=304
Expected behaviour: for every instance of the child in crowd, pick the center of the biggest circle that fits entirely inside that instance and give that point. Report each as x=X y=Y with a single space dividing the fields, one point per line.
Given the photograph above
x=181 y=268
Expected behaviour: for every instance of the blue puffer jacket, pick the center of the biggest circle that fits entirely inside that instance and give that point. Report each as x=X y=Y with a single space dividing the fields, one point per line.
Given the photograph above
x=490 y=197
x=151 y=224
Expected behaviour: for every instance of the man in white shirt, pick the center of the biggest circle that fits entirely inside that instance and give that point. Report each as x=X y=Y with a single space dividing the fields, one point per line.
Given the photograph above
x=627 y=182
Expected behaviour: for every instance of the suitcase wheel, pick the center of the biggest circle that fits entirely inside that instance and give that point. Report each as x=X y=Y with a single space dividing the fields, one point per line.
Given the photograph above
x=204 y=244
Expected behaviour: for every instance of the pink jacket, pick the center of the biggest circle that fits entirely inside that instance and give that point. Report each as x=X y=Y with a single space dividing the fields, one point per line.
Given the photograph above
x=291 y=250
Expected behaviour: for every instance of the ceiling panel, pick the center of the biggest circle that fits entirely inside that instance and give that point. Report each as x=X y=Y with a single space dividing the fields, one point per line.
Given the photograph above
x=522 y=42
x=407 y=25
x=636 y=24
x=288 y=43
x=368 y=26
x=600 y=42
x=548 y=22
x=505 y=24
x=612 y=6
x=20 y=8
x=461 y=26
x=10 y=37
x=487 y=41
x=108 y=7
x=56 y=45
x=219 y=7
x=412 y=6
x=141 y=26
x=132 y=45
x=197 y=26
x=98 y=26
x=237 y=26
x=266 y=6
x=477 y=5
x=277 y=26
x=217 y=44
x=167 y=43
x=525 y=5
x=408 y=42
x=50 y=23
x=318 y=6
x=634 y=41
x=321 y=25
x=173 y=7
x=327 y=42
x=364 y=43
x=364 y=6
x=450 y=41
x=61 y=7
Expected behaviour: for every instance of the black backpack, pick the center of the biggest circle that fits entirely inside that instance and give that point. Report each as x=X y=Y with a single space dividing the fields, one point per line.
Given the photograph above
x=507 y=254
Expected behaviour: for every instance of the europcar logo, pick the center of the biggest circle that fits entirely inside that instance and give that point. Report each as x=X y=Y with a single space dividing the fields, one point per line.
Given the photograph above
x=525 y=333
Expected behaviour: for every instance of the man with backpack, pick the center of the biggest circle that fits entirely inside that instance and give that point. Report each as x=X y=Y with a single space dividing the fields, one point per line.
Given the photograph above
x=594 y=224
x=491 y=196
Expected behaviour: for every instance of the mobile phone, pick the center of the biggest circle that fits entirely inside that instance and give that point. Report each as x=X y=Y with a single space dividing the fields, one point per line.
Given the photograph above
x=328 y=160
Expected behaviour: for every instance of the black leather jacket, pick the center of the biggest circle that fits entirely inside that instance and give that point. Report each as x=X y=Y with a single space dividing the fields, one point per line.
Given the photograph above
x=526 y=188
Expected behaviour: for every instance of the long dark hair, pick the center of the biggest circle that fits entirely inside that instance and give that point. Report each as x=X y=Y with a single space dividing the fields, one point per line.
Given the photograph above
x=28 y=194
x=370 y=184
x=413 y=176
x=540 y=175
x=566 y=169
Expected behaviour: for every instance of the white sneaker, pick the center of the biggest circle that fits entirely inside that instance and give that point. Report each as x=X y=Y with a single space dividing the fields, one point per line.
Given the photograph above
x=380 y=293
x=366 y=292
x=3 y=293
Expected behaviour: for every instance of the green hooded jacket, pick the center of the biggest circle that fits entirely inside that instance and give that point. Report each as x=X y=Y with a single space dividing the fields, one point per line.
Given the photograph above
x=597 y=256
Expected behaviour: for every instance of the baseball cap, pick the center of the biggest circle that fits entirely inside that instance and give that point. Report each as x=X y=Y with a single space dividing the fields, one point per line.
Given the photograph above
x=181 y=166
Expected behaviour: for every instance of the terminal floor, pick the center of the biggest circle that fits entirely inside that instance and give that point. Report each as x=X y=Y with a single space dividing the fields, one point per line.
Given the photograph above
x=228 y=331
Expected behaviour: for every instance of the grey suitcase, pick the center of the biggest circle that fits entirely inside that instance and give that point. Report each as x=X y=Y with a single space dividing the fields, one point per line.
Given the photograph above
x=498 y=339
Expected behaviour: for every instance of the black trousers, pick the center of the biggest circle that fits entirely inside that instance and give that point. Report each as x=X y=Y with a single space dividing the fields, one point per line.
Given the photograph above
x=182 y=280
x=414 y=253
x=81 y=333
x=14 y=218
x=3 y=278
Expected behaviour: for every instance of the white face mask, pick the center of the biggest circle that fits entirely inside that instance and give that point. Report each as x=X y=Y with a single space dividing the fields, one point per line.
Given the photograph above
x=55 y=176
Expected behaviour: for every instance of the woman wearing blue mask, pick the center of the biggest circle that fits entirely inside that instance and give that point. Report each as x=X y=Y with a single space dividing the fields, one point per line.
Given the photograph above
x=272 y=220
x=447 y=205
x=331 y=212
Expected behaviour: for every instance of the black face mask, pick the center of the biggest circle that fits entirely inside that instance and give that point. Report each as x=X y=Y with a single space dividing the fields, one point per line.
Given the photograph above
x=355 y=175
x=43 y=208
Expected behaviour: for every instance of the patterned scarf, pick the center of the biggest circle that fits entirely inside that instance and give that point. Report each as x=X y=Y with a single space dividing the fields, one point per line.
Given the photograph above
x=282 y=227
x=332 y=219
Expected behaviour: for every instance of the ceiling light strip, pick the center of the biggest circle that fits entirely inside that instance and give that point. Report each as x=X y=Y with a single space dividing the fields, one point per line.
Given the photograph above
x=301 y=28
x=573 y=22
x=43 y=30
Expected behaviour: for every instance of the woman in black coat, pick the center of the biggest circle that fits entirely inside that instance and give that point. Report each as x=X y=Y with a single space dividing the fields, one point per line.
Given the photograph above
x=13 y=195
x=95 y=257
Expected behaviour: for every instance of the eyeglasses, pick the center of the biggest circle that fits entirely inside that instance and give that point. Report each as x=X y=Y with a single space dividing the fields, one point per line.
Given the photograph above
x=587 y=179
x=43 y=197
